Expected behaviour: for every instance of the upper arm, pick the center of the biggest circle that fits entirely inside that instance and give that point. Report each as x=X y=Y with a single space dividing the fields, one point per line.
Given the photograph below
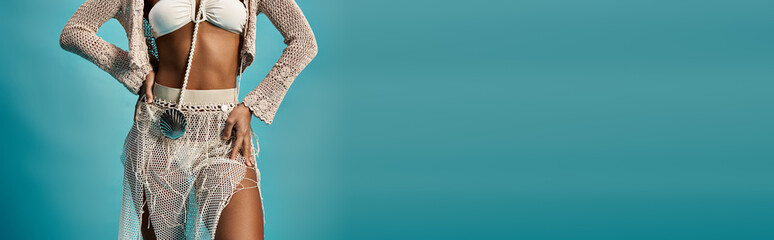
x=288 y=18
x=92 y=14
x=87 y=19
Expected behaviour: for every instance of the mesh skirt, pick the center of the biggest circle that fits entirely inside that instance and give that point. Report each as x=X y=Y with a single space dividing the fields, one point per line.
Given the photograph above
x=186 y=182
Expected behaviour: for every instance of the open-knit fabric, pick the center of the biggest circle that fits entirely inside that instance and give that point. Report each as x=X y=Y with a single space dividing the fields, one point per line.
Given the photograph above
x=130 y=67
x=186 y=182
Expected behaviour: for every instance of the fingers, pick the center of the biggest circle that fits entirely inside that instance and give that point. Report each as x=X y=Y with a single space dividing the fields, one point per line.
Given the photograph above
x=149 y=93
x=238 y=124
x=237 y=146
x=246 y=151
x=257 y=146
x=229 y=128
x=149 y=80
x=243 y=144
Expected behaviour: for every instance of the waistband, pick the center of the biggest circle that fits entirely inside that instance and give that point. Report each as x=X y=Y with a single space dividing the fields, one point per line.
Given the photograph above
x=195 y=96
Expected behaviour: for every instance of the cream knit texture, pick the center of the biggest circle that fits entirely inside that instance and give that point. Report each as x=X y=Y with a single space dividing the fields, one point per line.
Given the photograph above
x=131 y=66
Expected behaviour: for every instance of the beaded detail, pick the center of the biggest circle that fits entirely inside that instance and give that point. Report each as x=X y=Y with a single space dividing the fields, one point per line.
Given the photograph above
x=226 y=107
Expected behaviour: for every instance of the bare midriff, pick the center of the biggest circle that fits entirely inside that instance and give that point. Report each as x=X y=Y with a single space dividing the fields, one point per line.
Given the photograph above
x=215 y=62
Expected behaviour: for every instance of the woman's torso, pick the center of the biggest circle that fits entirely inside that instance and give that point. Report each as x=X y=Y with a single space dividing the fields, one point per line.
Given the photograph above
x=215 y=62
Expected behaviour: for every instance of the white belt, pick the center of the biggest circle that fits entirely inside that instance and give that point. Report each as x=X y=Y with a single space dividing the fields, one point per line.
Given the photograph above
x=195 y=96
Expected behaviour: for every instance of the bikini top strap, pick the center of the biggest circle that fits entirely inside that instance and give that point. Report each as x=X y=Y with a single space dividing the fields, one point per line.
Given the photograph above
x=199 y=18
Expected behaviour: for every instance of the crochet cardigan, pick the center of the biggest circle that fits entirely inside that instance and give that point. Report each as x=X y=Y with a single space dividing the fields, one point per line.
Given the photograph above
x=130 y=67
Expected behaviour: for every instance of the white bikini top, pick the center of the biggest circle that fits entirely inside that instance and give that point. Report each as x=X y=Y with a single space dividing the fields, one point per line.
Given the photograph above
x=169 y=15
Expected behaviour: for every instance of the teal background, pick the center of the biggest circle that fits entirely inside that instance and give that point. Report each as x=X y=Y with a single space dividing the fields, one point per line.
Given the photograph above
x=553 y=119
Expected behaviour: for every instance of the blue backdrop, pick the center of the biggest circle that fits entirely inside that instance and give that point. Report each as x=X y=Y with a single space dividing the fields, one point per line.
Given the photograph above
x=558 y=119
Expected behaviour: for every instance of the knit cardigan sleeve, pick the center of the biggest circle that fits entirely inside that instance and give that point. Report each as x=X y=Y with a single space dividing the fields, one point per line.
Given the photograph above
x=79 y=36
x=301 y=48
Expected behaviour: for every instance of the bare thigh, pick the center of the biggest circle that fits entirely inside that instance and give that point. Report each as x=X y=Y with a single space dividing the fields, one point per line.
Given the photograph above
x=147 y=231
x=242 y=218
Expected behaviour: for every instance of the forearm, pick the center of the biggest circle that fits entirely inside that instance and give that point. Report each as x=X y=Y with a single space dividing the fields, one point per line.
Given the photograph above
x=301 y=48
x=79 y=36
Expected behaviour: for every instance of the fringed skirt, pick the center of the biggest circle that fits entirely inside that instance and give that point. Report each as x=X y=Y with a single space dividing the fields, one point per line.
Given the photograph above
x=186 y=182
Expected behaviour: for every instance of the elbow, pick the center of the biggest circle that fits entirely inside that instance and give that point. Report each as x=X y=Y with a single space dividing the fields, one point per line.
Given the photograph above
x=67 y=39
x=312 y=49
x=304 y=44
x=310 y=46
x=72 y=37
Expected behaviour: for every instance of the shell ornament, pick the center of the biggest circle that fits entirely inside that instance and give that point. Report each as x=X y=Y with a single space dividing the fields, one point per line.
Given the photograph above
x=172 y=123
